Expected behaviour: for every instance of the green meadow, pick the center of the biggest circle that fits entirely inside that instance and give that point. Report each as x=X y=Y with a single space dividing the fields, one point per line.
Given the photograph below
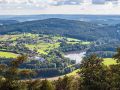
x=7 y=55
x=109 y=61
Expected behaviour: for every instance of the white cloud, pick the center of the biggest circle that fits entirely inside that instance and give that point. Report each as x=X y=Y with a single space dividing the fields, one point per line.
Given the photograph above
x=57 y=7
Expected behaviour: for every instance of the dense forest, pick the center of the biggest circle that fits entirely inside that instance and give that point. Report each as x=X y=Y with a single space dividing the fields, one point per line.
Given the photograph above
x=93 y=75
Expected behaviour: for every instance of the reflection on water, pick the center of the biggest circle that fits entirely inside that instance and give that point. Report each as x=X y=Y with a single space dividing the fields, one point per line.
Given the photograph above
x=75 y=56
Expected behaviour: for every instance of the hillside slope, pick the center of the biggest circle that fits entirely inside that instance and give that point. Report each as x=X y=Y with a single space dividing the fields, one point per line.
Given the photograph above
x=77 y=29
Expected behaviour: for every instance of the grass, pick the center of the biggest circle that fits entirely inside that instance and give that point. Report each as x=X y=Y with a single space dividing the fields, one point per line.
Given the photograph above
x=72 y=42
x=8 y=55
x=77 y=42
x=72 y=39
x=85 y=43
x=109 y=61
x=73 y=73
x=17 y=36
x=43 y=48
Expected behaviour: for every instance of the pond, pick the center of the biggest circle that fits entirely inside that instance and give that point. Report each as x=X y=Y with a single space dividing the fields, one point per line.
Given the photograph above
x=78 y=56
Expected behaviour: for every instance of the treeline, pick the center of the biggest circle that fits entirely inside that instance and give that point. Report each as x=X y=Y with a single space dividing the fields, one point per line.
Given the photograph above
x=66 y=47
x=93 y=75
x=104 y=48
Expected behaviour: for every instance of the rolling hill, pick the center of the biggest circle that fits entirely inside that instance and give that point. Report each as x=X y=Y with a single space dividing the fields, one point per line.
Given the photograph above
x=8 y=22
x=71 y=28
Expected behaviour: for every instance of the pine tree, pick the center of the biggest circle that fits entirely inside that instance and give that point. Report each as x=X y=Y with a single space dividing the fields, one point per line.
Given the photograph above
x=11 y=75
x=64 y=84
x=46 y=85
x=117 y=56
x=93 y=74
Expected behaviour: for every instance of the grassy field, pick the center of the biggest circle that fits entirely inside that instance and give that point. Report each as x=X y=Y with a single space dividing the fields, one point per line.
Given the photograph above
x=109 y=61
x=85 y=43
x=75 y=72
x=8 y=55
x=74 y=41
x=43 y=48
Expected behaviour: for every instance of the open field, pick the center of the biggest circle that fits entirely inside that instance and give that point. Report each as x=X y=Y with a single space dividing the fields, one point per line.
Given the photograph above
x=75 y=41
x=43 y=48
x=7 y=55
x=75 y=72
x=109 y=61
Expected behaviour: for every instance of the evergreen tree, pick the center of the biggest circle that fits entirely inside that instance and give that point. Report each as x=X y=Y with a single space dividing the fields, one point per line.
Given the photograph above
x=11 y=74
x=46 y=85
x=34 y=85
x=115 y=72
x=117 y=56
x=93 y=74
x=64 y=84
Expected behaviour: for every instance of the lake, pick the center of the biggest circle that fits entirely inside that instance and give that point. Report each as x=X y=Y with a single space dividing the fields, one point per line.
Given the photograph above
x=78 y=56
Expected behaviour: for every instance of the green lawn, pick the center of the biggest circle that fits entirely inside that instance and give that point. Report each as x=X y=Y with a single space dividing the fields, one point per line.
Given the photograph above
x=109 y=61
x=43 y=48
x=74 y=41
x=75 y=72
x=8 y=54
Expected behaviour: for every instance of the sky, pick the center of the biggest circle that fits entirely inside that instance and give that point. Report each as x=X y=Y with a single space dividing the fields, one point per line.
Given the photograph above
x=27 y=7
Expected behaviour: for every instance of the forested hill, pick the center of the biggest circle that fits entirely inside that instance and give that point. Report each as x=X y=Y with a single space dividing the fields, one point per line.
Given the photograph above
x=77 y=29
x=8 y=22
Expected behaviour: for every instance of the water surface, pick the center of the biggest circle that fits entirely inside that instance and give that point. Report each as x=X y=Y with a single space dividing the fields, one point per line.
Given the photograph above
x=78 y=56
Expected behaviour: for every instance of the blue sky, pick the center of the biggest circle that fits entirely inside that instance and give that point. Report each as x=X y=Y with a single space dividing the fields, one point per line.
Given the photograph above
x=59 y=7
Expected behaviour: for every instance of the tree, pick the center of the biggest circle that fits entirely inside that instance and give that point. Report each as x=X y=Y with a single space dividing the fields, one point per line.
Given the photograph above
x=114 y=77
x=34 y=85
x=64 y=84
x=115 y=70
x=117 y=56
x=93 y=74
x=46 y=85
x=11 y=75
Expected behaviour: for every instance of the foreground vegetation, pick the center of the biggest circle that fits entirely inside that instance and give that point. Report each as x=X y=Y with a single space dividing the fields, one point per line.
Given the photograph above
x=92 y=75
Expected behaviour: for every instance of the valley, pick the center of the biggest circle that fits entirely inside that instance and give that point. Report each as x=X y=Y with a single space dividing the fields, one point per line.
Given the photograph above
x=55 y=46
x=46 y=53
x=49 y=55
x=60 y=53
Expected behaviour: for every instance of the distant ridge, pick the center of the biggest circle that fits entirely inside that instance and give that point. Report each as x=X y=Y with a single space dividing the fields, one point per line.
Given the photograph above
x=71 y=28
x=100 y=19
